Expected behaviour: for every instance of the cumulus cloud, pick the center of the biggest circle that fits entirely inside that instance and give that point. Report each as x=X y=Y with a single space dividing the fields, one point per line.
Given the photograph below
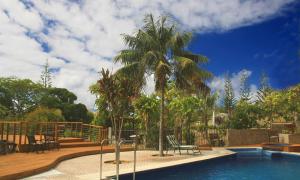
x=80 y=37
x=217 y=84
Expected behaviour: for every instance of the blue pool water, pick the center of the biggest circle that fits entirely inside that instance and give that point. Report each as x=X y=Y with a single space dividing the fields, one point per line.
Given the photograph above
x=247 y=164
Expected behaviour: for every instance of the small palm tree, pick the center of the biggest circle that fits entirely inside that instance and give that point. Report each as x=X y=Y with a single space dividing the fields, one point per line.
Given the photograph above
x=158 y=48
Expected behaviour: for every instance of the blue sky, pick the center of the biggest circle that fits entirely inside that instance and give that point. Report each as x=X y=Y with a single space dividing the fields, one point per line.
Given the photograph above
x=79 y=37
x=271 y=47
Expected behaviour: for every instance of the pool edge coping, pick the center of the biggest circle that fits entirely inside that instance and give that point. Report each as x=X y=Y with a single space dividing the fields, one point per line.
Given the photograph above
x=223 y=153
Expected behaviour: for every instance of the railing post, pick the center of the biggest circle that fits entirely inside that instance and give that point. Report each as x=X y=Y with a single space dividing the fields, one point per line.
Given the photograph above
x=134 y=155
x=55 y=131
x=89 y=133
x=81 y=130
x=26 y=131
x=47 y=128
x=41 y=129
x=76 y=126
x=7 y=131
x=2 y=130
x=14 y=137
x=20 y=133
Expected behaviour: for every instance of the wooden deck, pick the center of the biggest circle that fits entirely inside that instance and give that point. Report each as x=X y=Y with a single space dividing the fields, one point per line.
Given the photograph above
x=20 y=165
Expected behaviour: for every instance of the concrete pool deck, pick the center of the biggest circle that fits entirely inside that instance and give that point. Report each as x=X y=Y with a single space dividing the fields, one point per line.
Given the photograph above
x=87 y=167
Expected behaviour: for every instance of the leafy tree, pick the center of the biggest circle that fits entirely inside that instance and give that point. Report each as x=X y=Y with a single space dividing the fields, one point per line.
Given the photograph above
x=293 y=99
x=282 y=105
x=76 y=112
x=158 y=48
x=6 y=102
x=24 y=94
x=245 y=116
x=3 y=112
x=245 y=88
x=46 y=76
x=186 y=110
x=147 y=110
x=45 y=114
x=5 y=97
x=63 y=99
x=64 y=95
x=229 y=99
x=57 y=97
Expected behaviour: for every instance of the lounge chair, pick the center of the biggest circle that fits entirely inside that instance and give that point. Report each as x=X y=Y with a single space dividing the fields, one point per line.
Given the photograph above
x=35 y=145
x=50 y=142
x=176 y=146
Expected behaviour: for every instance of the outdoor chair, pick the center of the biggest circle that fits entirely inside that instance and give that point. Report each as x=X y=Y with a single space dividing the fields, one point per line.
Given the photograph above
x=3 y=147
x=35 y=145
x=215 y=140
x=176 y=146
x=50 y=142
x=7 y=147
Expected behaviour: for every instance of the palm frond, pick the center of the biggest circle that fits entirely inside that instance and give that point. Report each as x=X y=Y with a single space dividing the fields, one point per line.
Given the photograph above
x=149 y=26
x=127 y=56
x=197 y=58
x=134 y=71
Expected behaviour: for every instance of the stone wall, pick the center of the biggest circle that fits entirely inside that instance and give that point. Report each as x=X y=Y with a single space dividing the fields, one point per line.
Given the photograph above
x=237 y=137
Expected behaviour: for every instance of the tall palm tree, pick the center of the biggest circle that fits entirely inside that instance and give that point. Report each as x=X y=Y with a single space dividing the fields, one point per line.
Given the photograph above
x=158 y=48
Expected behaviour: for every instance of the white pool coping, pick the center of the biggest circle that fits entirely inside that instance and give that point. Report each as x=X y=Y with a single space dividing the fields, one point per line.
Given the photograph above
x=220 y=152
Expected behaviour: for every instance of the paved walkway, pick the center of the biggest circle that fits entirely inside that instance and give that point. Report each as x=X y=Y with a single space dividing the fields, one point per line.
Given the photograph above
x=18 y=165
x=87 y=167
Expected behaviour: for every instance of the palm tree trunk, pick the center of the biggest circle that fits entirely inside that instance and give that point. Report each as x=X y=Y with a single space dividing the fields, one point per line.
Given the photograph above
x=161 y=123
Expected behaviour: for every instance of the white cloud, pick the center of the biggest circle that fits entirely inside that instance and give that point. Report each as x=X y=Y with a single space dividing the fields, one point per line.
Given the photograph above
x=218 y=82
x=79 y=39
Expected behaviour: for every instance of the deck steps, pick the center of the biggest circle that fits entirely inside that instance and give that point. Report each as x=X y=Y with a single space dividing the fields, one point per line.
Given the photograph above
x=75 y=142
x=71 y=140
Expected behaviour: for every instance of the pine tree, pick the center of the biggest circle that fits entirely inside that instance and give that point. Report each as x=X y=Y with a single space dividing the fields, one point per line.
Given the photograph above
x=245 y=88
x=264 y=88
x=229 y=99
x=46 y=76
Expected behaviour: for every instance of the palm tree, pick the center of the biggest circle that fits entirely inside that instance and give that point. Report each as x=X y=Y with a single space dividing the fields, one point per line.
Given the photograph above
x=158 y=48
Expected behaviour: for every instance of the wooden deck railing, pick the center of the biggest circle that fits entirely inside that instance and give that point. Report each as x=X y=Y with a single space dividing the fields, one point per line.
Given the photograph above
x=16 y=131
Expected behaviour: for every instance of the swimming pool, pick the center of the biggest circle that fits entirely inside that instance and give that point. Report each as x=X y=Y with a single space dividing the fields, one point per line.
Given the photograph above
x=246 y=164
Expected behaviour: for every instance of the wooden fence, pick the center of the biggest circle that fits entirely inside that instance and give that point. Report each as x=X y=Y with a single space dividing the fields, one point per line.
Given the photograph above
x=16 y=131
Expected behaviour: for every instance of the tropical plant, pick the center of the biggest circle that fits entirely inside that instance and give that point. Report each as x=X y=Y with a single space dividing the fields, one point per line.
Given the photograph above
x=245 y=116
x=118 y=93
x=185 y=110
x=158 y=48
x=147 y=110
